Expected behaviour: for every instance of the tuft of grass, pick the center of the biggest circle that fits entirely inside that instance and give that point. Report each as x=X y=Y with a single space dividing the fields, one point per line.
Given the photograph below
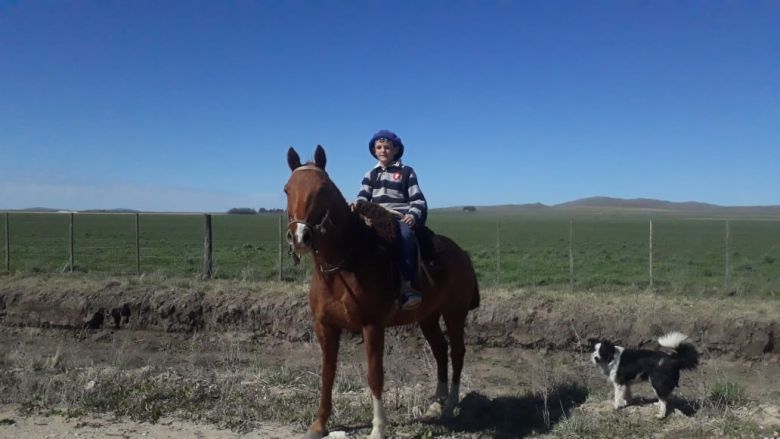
x=142 y=401
x=287 y=377
x=728 y=394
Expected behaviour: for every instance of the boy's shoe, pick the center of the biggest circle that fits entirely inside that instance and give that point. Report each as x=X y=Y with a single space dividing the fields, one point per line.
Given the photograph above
x=410 y=299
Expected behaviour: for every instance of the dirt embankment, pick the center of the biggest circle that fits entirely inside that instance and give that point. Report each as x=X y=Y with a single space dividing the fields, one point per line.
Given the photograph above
x=543 y=320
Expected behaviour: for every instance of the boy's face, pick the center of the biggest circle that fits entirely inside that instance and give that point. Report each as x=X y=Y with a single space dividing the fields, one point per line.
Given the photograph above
x=385 y=151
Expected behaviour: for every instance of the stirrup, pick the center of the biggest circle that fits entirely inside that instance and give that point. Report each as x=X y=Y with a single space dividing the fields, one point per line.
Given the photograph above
x=410 y=300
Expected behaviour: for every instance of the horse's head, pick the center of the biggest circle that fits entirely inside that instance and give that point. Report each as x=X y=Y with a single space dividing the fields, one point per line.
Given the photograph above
x=311 y=198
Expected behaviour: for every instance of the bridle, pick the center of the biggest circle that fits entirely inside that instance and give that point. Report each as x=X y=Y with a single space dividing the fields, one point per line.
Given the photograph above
x=319 y=228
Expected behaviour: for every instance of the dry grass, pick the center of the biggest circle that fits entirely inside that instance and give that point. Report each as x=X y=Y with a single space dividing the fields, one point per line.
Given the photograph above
x=238 y=381
x=223 y=380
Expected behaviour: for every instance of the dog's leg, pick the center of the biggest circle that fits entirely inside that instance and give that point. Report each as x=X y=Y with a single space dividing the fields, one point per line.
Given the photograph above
x=620 y=396
x=662 y=401
x=627 y=394
x=661 y=408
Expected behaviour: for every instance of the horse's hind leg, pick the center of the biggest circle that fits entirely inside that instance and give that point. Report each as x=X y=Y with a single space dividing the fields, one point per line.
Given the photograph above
x=432 y=332
x=455 y=325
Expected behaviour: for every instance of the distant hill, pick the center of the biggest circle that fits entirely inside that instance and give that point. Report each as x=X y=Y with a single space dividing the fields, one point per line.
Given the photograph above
x=118 y=210
x=635 y=205
x=52 y=210
x=37 y=209
x=500 y=208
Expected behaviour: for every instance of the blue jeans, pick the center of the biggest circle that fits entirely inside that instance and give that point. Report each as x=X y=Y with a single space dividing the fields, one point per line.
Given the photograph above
x=408 y=245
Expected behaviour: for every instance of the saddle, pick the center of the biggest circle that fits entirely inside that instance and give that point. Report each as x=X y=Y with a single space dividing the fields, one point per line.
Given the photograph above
x=384 y=224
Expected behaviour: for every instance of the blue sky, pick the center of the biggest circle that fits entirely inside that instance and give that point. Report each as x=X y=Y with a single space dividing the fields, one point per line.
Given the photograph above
x=191 y=106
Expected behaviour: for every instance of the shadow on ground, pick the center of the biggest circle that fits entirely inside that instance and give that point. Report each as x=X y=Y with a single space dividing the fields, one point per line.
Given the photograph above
x=687 y=407
x=514 y=417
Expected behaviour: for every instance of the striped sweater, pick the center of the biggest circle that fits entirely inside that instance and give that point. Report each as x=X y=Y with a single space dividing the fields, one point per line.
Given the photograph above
x=394 y=188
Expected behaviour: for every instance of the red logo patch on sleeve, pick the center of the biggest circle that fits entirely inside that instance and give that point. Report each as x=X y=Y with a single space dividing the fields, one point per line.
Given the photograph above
x=397 y=176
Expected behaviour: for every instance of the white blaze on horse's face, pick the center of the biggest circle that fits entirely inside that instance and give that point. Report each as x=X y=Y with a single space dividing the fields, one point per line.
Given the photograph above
x=299 y=232
x=299 y=237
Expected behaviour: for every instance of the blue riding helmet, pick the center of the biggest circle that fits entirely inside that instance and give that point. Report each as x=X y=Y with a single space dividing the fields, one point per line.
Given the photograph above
x=389 y=135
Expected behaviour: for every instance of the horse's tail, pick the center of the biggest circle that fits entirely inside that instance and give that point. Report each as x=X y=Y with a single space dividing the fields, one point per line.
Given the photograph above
x=474 y=304
x=475 y=298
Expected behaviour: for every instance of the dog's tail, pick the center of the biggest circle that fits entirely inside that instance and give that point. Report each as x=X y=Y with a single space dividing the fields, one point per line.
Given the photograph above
x=686 y=356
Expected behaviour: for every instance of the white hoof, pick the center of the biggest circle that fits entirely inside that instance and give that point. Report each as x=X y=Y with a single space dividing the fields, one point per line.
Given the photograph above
x=434 y=411
x=449 y=409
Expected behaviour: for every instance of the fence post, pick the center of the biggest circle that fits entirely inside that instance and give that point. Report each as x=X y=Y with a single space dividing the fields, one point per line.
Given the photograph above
x=7 y=244
x=498 y=251
x=651 y=254
x=71 y=242
x=728 y=273
x=280 y=248
x=137 y=243
x=207 y=249
x=571 y=254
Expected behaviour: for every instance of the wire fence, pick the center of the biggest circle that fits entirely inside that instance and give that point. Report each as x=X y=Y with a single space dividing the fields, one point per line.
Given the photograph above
x=513 y=251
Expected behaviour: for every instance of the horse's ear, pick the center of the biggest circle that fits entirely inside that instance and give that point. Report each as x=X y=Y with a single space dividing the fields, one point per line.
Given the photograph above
x=319 y=157
x=293 y=159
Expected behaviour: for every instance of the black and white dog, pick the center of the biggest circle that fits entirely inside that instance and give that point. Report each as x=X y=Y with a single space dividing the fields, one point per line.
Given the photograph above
x=626 y=366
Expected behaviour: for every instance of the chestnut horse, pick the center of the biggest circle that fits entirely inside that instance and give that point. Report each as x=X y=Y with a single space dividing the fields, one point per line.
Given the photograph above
x=355 y=285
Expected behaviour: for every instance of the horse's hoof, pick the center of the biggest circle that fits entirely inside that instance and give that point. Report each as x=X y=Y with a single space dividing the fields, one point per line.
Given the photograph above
x=434 y=411
x=315 y=435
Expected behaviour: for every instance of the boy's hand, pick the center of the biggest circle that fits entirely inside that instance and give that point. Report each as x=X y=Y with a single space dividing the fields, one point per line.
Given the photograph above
x=408 y=219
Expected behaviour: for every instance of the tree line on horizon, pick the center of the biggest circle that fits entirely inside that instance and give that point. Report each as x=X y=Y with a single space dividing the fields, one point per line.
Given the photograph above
x=251 y=211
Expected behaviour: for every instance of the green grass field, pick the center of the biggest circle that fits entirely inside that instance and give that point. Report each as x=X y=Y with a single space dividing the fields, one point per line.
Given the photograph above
x=510 y=250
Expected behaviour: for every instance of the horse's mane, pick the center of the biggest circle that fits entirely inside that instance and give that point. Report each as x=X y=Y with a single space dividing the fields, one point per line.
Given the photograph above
x=376 y=228
x=373 y=220
x=379 y=219
x=371 y=224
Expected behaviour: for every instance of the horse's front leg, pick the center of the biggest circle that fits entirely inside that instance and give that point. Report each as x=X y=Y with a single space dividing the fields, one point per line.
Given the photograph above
x=374 y=337
x=328 y=337
x=455 y=326
x=432 y=332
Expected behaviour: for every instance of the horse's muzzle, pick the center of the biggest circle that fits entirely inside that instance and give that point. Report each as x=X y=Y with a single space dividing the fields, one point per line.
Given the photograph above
x=300 y=238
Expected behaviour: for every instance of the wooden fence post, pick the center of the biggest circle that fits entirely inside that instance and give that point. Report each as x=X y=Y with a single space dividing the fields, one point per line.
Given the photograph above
x=137 y=243
x=207 y=249
x=498 y=251
x=71 y=242
x=281 y=276
x=651 y=254
x=7 y=244
x=727 y=257
x=571 y=254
